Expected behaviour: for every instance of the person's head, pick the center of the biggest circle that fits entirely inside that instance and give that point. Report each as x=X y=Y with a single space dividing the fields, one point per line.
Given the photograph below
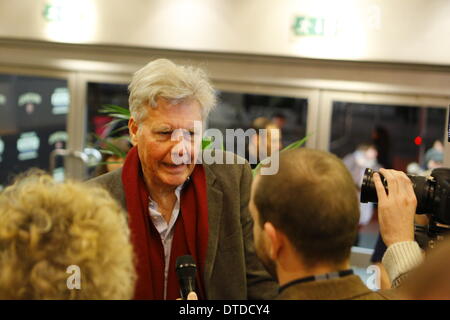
x=119 y=147
x=434 y=158
x=269 y=140
x=260 y=123
x=63 y=241
x=366 y=155
x=167 y=102
x=431 y=279
x=115 y=161
x=369 y=150
x=279 y=119
x=308 y=212
x=437 y=144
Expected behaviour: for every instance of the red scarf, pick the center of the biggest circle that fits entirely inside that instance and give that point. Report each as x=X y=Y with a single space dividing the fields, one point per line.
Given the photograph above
x=190 y=234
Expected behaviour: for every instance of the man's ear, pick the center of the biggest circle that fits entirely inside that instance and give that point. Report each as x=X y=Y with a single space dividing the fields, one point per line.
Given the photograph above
x=275 y=240
x=133 y=128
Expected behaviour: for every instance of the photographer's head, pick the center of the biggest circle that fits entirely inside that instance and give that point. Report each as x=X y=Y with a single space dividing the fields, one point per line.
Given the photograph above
x=306 y=215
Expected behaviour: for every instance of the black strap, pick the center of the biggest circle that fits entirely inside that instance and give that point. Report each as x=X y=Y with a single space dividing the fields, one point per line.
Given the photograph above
x=325 y=276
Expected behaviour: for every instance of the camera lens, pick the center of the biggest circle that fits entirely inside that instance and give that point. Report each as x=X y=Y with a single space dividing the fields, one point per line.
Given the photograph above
x=368 y=190
x=423 y=189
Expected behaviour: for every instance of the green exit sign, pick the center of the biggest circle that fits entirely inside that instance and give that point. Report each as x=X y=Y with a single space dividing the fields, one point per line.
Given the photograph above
x=308 y=26
x=52 y=13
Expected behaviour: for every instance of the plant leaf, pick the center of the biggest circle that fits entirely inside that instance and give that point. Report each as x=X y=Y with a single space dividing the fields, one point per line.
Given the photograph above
x=293 y=145
x=113 y=109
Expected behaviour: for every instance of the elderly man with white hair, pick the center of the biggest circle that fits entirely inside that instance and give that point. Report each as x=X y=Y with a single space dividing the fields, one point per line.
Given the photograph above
x=178 y=206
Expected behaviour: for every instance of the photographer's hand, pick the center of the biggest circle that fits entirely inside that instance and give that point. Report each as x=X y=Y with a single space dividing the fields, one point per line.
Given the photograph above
x=396 y=208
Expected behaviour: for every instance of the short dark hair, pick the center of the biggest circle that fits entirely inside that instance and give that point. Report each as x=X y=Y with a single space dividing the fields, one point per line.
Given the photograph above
x=313 y=201
x=278 y=115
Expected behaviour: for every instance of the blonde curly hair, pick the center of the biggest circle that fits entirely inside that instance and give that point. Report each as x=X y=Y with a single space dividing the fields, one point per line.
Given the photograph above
x=46 y=226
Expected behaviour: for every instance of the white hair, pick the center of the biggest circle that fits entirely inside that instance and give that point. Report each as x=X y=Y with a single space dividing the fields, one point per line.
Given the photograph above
x=162 y=78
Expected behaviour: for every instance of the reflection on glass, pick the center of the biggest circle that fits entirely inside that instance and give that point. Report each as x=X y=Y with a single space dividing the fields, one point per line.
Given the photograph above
x=28 y=146
x=27 y=121
x=60 y=101
x=58 y=139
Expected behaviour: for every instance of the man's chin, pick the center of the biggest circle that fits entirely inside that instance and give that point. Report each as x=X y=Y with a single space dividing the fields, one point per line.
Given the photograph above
x=174 y=179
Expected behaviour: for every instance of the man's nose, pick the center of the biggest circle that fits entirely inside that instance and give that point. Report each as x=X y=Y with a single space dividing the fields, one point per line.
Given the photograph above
x=180 y=150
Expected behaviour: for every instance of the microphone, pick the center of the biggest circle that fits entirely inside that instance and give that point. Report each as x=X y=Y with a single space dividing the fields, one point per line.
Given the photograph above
x=186 y=269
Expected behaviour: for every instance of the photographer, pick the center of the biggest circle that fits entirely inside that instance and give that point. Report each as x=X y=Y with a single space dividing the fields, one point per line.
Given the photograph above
x=306 y=221
x=396 y=211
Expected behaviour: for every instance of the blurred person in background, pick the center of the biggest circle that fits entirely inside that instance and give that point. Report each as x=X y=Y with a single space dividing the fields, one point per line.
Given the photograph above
x=113 y=160
x=365 y=156
x=306 y=220
x=47 y=228
x=381 y=139
x=263 y=143
x=184 y=208
x=279 y=119
x=434 y=157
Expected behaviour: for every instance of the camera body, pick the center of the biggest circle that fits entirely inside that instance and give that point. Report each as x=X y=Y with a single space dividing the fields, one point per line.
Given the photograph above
x=432 y=193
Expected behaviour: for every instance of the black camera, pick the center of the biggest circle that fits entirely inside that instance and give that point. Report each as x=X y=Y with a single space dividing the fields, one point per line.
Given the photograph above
x=432 y=193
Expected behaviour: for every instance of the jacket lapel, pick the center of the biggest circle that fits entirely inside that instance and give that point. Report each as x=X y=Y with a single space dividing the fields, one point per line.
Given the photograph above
x=215 y=196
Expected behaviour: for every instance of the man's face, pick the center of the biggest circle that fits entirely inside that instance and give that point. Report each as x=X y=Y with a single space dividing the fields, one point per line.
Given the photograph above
x=166 y=136
x=260 y=237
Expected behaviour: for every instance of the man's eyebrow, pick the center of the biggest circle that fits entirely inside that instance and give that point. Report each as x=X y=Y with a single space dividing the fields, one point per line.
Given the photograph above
x=162 y=127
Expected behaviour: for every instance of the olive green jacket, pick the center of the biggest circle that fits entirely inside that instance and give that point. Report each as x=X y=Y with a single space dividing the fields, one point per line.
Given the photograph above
x=345 y=288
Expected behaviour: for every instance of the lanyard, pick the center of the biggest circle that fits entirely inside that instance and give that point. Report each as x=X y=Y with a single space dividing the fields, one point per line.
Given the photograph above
x=325 y=276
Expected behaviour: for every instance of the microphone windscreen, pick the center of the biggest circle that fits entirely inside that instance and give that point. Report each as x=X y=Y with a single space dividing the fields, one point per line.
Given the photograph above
x=185 y=266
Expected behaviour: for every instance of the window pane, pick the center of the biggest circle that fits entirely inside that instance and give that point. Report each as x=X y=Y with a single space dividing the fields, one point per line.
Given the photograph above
x=401 y=136
x=33 y=112
x=354 y=123
x=239 y=110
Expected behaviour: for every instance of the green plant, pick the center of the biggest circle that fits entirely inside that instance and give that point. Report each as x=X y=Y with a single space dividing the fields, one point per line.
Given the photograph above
x=293 y=145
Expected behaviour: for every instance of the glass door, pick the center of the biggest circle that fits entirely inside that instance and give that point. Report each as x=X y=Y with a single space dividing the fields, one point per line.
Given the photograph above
x=377 y=131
